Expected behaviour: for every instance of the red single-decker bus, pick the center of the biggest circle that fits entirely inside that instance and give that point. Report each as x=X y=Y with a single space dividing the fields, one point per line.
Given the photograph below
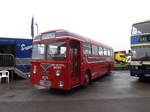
x=63 y=60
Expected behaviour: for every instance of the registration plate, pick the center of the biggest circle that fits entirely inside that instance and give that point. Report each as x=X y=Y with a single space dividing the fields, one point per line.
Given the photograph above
x=45 y=83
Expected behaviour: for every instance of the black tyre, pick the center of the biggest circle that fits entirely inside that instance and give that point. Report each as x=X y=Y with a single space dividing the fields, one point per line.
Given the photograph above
x=87 y=79
x=142 y=78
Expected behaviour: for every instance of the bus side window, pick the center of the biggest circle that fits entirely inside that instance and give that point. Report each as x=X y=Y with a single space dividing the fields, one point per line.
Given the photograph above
x=112 y=53
x=109 y=52
x=105 y=52
x=100 y=52
x=95 y=50
x=86 y=48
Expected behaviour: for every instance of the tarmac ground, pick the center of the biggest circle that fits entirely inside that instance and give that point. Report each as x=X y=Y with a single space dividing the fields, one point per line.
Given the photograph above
x=117 y=92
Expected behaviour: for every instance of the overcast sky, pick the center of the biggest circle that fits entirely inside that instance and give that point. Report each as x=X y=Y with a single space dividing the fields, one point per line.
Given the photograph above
x=107 y=21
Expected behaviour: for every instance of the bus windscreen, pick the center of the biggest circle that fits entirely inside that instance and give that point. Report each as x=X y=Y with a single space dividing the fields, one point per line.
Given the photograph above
x=38 y=51
x=56 y=51
x=141 y=28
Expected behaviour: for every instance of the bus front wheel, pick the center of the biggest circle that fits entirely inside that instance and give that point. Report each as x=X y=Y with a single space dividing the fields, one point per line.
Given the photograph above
x=142 y=78
x=87 y=80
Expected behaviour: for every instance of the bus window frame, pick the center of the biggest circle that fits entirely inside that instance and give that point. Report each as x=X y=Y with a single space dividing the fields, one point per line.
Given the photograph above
x=65 y=58
x=94 y=45
x=54 y=40
x=45 y=50
x=89 y=49
x=105 y=51
x=102 y=50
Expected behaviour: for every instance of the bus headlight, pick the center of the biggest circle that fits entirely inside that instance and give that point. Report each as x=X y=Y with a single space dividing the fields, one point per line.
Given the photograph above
x=58 y=73
x=61 y=84
x=34 y=70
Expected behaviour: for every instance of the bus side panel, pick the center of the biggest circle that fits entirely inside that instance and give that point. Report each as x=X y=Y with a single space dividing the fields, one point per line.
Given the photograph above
x=96 y=69
x=97 y=65
x=99 y=69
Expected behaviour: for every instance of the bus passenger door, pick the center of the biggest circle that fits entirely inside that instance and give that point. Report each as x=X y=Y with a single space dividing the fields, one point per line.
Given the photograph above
x=75 y=61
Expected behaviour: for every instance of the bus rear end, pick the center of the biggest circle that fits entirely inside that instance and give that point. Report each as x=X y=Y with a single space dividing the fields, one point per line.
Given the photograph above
x=50 y=65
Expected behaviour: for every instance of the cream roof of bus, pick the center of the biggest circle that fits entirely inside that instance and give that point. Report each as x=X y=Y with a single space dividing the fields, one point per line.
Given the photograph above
x=82 y=38
x=143 y=21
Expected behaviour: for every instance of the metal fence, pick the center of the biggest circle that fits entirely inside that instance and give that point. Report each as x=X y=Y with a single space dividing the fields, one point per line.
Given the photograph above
x=7 y=60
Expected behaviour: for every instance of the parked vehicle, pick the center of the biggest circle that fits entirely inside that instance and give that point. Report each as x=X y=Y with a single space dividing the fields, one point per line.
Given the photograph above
x=120 y=57
x=140 y=49
x=63 y=60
